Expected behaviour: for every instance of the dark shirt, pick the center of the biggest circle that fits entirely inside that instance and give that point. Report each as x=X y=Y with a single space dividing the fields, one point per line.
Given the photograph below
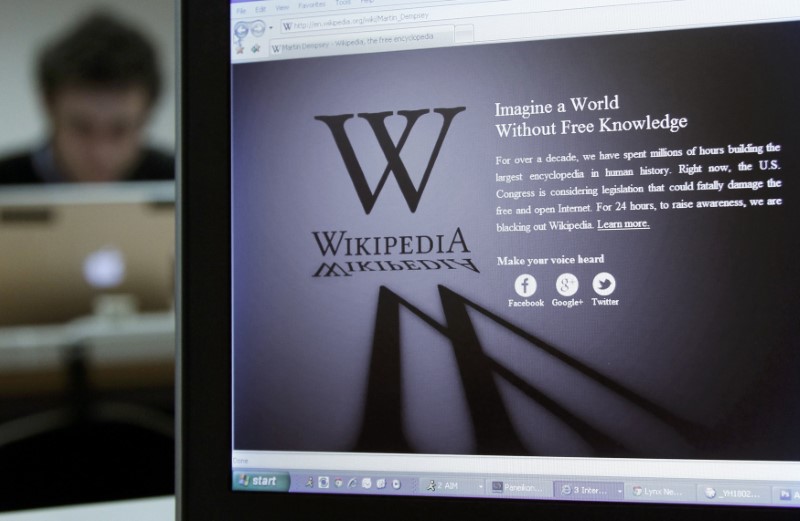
x=21 y=169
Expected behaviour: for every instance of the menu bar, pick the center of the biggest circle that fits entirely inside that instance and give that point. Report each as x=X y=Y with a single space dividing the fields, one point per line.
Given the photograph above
x=300 y=7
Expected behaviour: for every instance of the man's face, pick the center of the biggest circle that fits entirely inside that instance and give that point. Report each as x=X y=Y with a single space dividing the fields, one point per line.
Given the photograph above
x=97 y=134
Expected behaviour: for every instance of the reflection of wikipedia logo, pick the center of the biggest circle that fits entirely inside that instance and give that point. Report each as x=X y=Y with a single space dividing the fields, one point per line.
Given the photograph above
x=391 y=150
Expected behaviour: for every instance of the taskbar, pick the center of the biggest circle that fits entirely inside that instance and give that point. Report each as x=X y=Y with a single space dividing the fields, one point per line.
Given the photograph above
x=684 y=491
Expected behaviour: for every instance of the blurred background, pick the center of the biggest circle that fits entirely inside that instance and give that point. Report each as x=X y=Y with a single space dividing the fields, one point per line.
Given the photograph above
x=27 y=25
x=86 y=268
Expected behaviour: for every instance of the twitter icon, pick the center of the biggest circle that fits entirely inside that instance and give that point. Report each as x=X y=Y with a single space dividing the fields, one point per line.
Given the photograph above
x=604 y=284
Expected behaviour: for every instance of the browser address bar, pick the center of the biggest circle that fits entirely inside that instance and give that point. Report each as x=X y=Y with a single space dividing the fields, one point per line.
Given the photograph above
x=386 y=17
x=325 y=23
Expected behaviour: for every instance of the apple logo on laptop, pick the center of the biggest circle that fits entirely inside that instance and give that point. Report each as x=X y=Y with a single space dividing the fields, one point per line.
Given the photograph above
x=104 y=268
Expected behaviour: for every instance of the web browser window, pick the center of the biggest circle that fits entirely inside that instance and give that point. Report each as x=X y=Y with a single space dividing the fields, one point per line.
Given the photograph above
x=534 y=250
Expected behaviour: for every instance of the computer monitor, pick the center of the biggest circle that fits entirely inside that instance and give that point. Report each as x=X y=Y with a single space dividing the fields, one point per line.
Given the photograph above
x=507 y=258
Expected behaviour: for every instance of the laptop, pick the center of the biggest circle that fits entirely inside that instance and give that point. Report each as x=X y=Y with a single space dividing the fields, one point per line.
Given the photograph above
x=69 y=252
x=489 y=260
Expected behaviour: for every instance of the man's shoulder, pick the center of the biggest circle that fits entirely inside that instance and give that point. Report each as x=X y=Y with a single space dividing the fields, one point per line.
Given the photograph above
x=18 y=169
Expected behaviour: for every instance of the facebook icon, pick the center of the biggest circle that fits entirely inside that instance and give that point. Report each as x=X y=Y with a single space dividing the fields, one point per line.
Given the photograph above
x=525 y=285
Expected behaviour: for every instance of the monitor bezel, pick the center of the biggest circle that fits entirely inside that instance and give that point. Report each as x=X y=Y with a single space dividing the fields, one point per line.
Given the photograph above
x=203 y=455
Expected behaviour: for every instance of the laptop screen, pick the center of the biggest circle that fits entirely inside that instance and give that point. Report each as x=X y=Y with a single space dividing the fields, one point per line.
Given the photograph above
x=68 y=252
x=516 y=250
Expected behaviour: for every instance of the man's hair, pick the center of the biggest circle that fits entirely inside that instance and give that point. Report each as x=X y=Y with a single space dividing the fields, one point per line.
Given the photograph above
x=99 y=52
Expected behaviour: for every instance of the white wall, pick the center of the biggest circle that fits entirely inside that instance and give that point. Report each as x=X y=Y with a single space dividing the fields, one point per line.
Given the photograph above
x=24 y=27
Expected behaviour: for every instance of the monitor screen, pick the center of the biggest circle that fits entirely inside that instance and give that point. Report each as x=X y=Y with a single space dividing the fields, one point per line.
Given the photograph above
x=516 y=250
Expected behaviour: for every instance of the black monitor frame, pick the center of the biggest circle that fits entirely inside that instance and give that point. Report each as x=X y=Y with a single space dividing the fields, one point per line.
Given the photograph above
x=204 y=331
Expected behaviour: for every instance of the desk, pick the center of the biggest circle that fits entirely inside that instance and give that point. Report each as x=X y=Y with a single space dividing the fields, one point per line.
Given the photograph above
x=156 y=509
x=136 y=348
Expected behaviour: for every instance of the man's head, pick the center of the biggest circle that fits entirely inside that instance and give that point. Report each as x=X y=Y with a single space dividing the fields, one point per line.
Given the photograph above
x=99 y=82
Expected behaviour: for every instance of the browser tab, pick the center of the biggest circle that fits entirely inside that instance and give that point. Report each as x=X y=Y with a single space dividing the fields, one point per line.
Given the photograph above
x=588 y=490
x=734 y=493
x=787 y=495
x=520 y=488
x=361 y=42
x=661 y=492
x=450 y=486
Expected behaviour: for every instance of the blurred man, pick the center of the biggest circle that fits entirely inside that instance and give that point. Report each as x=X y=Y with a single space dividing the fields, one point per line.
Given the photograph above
x=98 y=84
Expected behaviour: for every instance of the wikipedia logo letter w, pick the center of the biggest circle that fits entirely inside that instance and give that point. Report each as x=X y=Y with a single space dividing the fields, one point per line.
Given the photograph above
x=391 y=150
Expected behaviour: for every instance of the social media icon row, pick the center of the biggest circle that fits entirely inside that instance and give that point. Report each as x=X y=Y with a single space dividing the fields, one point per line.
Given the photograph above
x=567 y=284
